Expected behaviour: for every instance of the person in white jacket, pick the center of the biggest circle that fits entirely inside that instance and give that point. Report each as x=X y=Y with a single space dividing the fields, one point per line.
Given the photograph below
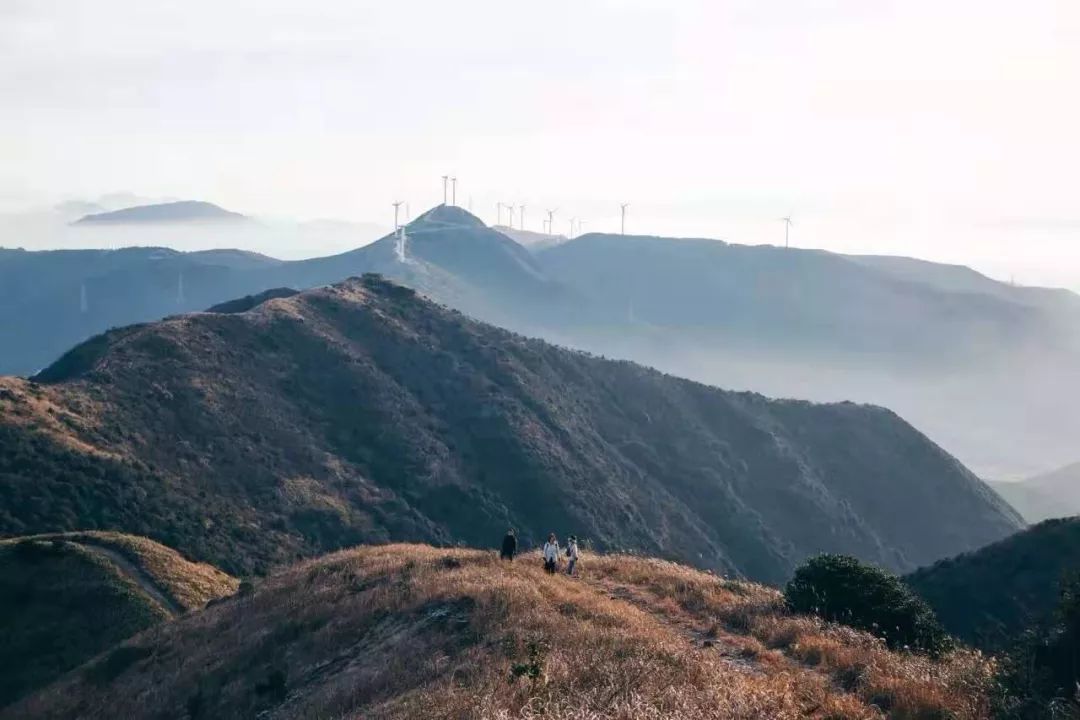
x=551 y=554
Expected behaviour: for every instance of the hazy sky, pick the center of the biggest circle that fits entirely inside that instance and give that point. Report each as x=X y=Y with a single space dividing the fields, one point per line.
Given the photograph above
x=940 y=128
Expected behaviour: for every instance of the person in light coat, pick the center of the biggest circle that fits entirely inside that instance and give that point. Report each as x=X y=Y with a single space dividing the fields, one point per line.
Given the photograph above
x=551 y=554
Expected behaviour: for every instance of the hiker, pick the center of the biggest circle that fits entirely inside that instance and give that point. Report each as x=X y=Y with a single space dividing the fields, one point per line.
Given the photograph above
x=571 y=553
x=551 y=554
x=509 y=545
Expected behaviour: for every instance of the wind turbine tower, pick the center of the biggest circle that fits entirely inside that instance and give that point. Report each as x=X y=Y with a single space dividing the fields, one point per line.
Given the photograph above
x=551 y=222
x=572 y=221
x=623 y=225
x=453 y=191
x=510 y=207
x=445 y=179
x=787 y=229
x=498 y=207
x=399 y=233
x=521 y=216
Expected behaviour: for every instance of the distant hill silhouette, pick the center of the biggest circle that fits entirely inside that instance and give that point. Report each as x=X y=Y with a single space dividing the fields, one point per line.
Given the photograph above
x=361 y=412
x=529 y=239
x=170 y=212
x=1055 y=494
x=66 y=598
x=989 y=596
x=51 y=300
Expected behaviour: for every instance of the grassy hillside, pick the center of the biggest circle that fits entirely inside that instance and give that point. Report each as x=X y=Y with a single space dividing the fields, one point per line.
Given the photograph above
x=364 y=413
x=410 y=631
x=989 y=596
x=65 y=598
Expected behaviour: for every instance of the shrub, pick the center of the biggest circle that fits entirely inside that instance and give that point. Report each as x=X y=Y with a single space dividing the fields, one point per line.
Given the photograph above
x=841 y=589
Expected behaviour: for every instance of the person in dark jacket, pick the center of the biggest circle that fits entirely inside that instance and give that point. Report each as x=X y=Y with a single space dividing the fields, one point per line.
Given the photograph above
x=509 y=545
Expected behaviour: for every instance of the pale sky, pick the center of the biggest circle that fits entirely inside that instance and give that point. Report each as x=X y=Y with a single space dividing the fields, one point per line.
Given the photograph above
x=944 y=129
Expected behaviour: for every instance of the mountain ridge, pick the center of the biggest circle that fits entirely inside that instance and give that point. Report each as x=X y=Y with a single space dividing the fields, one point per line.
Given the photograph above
x=361 y=412
x=784 y=322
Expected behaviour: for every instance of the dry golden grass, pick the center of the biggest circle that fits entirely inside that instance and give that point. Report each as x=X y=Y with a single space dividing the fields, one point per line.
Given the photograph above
x=406 y=631
x=903 y=685
x=41 y=408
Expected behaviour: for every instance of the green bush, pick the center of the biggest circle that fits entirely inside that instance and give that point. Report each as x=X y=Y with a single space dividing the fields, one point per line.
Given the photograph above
x=841 y=589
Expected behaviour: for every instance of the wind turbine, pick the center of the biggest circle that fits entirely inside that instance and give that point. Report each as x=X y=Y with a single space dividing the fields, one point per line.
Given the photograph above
x=572 y=221
x=551 y=222
x=498 y=205
x=623 y=209
x=580 y=224
x=453 y=191
x=445 y=178
x=510 y=207
x=787 y=228
x=521 y=216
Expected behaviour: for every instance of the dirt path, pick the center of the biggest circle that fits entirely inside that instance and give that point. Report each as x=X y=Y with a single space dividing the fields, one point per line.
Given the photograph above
x=723 y=642
x=137 y=575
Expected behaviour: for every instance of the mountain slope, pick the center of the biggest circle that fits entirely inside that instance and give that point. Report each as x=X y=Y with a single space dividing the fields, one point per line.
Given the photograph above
x=418 y=632
x=1055 y=494
x=170 y=212
x=955 y=359
x=989 y=596
x=65 y=598
x=361 y=412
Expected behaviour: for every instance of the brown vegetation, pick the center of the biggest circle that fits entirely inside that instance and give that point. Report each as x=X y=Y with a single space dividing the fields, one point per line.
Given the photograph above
x=405 y=631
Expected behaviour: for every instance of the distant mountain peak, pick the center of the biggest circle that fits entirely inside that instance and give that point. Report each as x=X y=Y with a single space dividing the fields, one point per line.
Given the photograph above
x=447 y=215
x=170 y=212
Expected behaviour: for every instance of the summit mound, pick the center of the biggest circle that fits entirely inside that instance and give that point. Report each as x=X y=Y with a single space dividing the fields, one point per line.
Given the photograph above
x=362 y=412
